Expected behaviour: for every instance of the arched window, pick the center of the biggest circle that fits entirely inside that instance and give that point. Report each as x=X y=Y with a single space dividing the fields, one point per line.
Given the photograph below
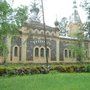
x=69 y=53
x=52 y=33
x=73 y=54
x=36 y=52
x=15 y=51
x=35 y=31
x=42 y=32
x=47 y=52
x=66 y=53
x=47 y=33
x=86 y=54
x=42 y=52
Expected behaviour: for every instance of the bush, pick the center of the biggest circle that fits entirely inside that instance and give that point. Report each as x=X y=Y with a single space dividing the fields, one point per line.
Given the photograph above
x=34 y=70
x=23 y=71
x=2 y=71
x=70 y=68
x=44 y=70
x=39 y=70
x=88 y=68
x=9 y=71
x=27 y=71
x=60 y=68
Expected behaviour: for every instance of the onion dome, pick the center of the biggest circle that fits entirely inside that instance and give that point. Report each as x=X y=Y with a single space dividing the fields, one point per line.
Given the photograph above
x=56 y=23
x=34 y=8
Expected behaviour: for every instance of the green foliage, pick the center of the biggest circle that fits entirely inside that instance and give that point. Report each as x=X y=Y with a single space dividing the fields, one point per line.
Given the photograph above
x=9 y=71
x=88 y=68
x=78 y=46
x=5 y=10
x=21 y=15
x=71 y=68
x=2 y=71
x=10 y=22
x=79 y=50
x=3 y=48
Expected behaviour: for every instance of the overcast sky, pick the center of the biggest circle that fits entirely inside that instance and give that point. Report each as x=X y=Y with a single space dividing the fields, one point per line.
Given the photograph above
x=54 y=9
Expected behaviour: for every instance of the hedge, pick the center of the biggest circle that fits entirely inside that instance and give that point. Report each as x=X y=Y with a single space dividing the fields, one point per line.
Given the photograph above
x=9 y=71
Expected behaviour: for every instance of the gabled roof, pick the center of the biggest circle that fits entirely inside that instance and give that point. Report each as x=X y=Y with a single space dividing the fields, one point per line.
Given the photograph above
x=39 y=26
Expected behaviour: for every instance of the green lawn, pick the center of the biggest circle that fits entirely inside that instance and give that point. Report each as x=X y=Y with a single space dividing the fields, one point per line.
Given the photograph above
x=52 y=81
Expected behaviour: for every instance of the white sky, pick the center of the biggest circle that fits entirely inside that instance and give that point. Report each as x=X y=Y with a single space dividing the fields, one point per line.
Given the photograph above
x=54 y=9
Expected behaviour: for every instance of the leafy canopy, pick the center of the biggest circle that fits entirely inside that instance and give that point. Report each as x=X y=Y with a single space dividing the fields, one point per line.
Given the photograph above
x=11 y=21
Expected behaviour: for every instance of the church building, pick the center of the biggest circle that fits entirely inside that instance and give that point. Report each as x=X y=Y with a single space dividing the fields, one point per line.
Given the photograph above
x=29 y=45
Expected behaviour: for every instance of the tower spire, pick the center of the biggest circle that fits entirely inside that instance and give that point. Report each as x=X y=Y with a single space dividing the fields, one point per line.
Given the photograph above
x=34 y=12
x=75 y=18
x=75 y=21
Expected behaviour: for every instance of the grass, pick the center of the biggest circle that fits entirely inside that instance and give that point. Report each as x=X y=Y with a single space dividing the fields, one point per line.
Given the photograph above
x=52 y=81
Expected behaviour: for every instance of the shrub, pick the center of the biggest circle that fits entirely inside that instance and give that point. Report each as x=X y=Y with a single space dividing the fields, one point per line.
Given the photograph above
x=2 y=71
x=26 y=70
x=44 y=70
x=70 y=69
x=60 y=68
x=39 y=70
x=10 y=71
x=23 y=70
x=34 y=70
x=88 y=68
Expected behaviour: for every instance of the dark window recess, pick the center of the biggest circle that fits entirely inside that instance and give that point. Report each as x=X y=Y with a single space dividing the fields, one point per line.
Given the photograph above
x=69 y=53
x=42 y=52
x=36 y=52
x=66 y=54
x=16 y=51
x=47 y=52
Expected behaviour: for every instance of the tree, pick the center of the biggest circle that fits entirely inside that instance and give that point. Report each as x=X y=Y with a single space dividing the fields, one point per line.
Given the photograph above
x=62 y=25
x=78 y=46
x=83 y=34
x=86 y=5
x=11 y=21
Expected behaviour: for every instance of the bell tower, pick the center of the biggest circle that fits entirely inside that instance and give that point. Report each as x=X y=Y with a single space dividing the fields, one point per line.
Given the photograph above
x=75 y=18
x=75 y=21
